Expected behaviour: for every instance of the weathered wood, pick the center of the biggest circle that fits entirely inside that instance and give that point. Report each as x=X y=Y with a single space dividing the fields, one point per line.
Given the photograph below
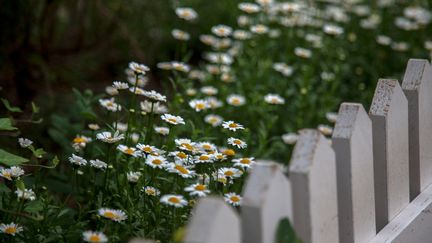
x=412 y=225
x=266 y=200
x=389 y=115
x=313 y=180
x=352 y=142
x=417 y=85
x=213 y=221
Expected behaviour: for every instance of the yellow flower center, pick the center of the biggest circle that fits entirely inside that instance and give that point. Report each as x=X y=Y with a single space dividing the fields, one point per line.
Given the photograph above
x=200 y=187
x=172 y=120
x=235 y=101
x=174 y=200
x=78 y=140
x=157 y=161
x=238 y=142
x=187 y=146
x=229 y=173
x=200 y=106
x=182 y=169
x=11 y=230
x=229 y=152
x=235 y=199
x=129 y=151
x=7 y=175
x=206 y=146
x=147 y=150
x=151 y=192
x=110 y=215
x=233 y=125
x=204 y=157
x=222 y=180
x=245 y=161
x=110 y=104
x=181 y=155
x=95 y=238
x=213 y=120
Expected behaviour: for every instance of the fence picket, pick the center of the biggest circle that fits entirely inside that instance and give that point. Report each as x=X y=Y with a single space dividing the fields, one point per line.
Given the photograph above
x=352 y=142
x=266 y=200
x=417 y=85
x=313 y=179
x=213 y=221
x=389 y=115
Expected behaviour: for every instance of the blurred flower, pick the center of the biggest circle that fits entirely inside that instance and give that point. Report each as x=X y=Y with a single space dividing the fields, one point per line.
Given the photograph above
x=230 y=172
x=174 y=120
x=283 y=68
x=400 y=46
x=333 y=29
x=332 y=116
x=290 y=138
x=151 y=191
x=231 y=125
x=213 y=120
x=326 y=130
x=99 y=164
x=249 y=7
x=80 y=141
x=197 y=189
x=233 y=199
x=162 y=130
x=237 y=142
x=181 y=170
x=12 y=172
x=94 y=236
x=156 y=161
x=191 y=91
x=383 y=40
x=128 y=150
x=133 y=176
x=174 y=200
x=112 y=214
x=111 y=90
x=26 y=194
x=236 y=100
x=244 y=163
x=209 y=90
x=186 y=13
x=110 y=104
x=242 y=35
x=93 y=126
x=259 y=29
x=180 y=35
x=11 y=228
x=154 y=96
x=302 y=52
x=221 y=30
x=158 y=108
x=107 y=137
x=274 y=99
x=199 y=105
x=77 y=160
x=24 y=142
x=120 y=85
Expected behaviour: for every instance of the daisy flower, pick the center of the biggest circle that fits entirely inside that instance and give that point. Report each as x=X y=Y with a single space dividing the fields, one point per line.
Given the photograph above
x=221 y=30
x=138 y=68
x=227 y=152
x=229 y=172
x=94 y=236
x=162 y=130
x=180 y=66
x=94 y=126
x=209 y=90
x=148 y=149
x=151 y=191
x=232 y=126
x=110 y=104
x=259 y=29
x=191 y=92
x=242 y=35
x=156 y=161
x=10 y=229
x=180 y=35
x=27 y=194
x=141 y=81
x=236 y=100
x=111 y=90
x=185 y=144
x=331 y=116
x=120 y=85
x=333 y=29
x=177 y=201
x=206 y=146
x=80 y=142
x=186 y=13
x=122 y=127
x=302 y=52
x=219 y=156
x=133 y=176
x=158 y=108
x=233 y=199
x=108 y=137
x=174 y=120
x=283 y=68
x=326 y=130
x=244 y=162
x=199 y=105
x=181 y=170
x=137 y=90
x=113 y=214
x=213 y=120
x=77 y=160
x=128 y=150
x=249 y=8
x=290 y=138
x=204 y=158
x=197 y=189
x=99 y=164
x=24 y=142
x=213 y=102
x=274 y=99
x=12 y=172
x=179 y=156
x=237 y=143
x=154 y=96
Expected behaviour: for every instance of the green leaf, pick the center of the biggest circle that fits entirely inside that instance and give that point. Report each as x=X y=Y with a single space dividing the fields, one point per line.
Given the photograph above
x=35 y=108
x=6 y=124
x=55 y=161
x=11 y=159
x=20 y=185
x=4 y=188
x=9 y=107
x=285 y=233
x=38 y=153
x=34 y=206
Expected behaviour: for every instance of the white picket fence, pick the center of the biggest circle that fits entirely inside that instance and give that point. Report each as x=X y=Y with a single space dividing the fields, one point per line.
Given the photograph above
x=370 y=183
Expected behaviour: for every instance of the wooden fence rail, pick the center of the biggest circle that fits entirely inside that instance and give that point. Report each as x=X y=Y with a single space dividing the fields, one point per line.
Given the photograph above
x=370 y=183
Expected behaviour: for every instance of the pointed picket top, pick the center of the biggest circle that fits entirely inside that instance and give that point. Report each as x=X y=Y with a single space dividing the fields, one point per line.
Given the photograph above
x=313 y=180
x=417 y=85
x=352 y=143
x=266 y=200
x=389 y=115
x=213 y=221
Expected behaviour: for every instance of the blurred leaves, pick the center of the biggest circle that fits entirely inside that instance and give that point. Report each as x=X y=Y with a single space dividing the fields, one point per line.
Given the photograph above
x=285 y=233
x=6 y=125
x=11 y=159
